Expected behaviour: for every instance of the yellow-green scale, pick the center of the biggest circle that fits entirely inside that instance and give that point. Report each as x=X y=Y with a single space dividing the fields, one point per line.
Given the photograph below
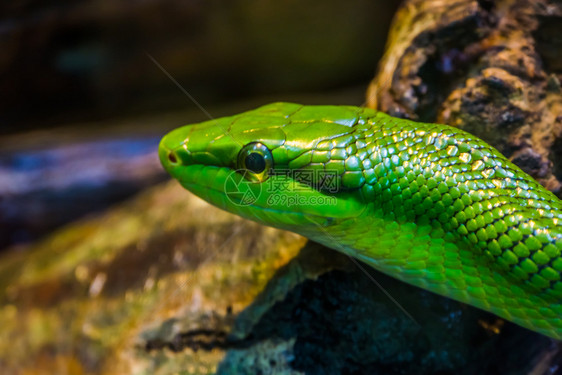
x=439 y=209
x=428 y=204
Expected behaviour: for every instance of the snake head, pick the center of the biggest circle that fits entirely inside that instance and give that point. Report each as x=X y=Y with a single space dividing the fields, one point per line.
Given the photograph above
x=284 y=165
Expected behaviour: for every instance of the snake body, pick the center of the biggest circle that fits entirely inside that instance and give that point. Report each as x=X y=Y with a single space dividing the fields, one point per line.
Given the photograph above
x=428 y=204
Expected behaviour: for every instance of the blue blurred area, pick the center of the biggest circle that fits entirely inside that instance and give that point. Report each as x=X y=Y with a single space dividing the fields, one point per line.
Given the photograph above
x=43 y=189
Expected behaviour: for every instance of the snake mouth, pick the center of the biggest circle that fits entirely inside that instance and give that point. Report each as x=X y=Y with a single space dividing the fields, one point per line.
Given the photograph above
x=229 y=190
x=210 y=174
x=211 y=183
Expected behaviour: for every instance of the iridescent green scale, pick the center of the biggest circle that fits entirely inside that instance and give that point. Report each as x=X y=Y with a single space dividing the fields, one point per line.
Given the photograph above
x=428 y=204
x=466 y=198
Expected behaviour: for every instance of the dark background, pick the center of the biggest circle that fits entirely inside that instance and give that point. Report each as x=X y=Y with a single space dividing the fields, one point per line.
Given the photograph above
x=82 y=105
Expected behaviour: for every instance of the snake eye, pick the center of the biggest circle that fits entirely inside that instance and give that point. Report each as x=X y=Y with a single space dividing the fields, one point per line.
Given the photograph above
x=255 y=161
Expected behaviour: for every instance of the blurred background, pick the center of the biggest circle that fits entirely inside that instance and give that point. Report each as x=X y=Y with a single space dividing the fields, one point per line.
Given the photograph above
x=83 y=106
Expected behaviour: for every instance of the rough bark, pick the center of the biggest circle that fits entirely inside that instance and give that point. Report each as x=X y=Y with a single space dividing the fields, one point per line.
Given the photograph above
x=146 y=288
x=492 y=68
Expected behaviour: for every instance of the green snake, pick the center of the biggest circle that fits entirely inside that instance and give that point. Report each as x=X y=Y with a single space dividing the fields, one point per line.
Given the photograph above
x=428 y=204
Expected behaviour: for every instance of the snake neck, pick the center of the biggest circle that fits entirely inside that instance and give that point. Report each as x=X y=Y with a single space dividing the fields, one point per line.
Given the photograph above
x=432 y=187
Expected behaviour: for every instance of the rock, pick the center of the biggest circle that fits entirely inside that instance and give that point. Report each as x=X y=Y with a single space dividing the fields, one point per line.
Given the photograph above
x=490 y=68
x=99 y=295
x=149 y=287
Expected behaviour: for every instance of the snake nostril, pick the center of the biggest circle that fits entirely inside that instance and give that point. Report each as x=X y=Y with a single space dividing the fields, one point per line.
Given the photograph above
x=172 y=158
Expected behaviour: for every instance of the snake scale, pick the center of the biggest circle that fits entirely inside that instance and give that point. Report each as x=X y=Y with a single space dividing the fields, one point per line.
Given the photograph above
x=428 y=204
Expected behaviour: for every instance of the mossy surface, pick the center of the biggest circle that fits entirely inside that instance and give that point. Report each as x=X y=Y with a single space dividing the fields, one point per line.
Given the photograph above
x=89 y=298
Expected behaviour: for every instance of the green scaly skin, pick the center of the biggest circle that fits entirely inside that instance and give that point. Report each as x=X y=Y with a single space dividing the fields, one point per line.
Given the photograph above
x=428 y=204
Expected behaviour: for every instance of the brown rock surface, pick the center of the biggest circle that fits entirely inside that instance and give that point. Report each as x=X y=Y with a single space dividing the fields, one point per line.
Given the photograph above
x=96 y=296
x=491 y=68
